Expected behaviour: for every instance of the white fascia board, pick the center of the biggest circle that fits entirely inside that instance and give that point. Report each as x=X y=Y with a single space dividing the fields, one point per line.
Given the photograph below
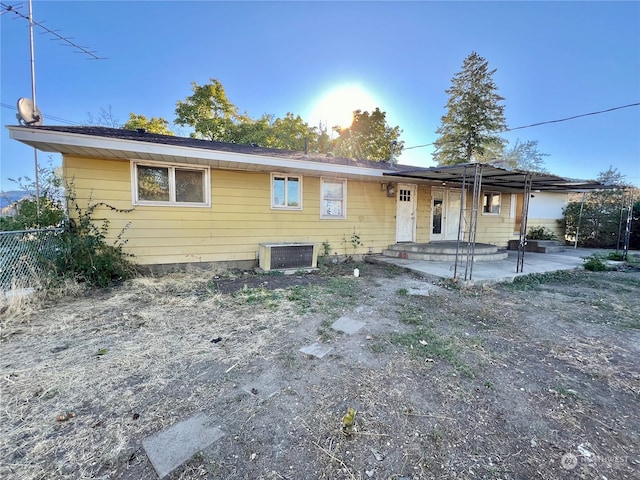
x=89 y=141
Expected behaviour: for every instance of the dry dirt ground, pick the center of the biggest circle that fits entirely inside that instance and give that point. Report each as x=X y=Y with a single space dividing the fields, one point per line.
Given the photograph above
x=538 y=379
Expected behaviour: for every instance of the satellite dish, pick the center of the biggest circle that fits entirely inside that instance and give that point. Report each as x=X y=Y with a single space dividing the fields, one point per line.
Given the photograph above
x=28 y=113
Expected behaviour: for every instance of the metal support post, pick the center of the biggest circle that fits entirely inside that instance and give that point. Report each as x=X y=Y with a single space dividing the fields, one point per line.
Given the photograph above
x=473 y=221
x=522 y=244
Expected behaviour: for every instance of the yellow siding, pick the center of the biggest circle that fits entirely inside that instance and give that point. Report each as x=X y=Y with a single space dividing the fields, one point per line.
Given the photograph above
x=240 y=216
x=496 y=229
x=549 y=223
x=239 y=219
x=423 y=213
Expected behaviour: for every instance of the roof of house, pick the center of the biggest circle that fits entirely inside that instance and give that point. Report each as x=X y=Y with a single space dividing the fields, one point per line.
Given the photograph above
x=103 y=142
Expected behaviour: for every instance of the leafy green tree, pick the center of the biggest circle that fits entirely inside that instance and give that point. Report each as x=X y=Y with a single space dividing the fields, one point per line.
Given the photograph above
x=520 y=156
x=45 y=211
x=214 y=117
x=474 y=116
x=151 y=125
x=290 y=133
x=369 y=137
x=287 y=133
x=209 y=112
x=600 y=217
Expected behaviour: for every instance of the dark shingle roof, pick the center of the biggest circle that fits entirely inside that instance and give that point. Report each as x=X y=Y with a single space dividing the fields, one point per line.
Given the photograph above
x=143 y=136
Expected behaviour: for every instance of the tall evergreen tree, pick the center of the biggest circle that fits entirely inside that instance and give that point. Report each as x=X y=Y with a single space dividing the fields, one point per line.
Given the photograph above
x=474 y=116
x=520 y=156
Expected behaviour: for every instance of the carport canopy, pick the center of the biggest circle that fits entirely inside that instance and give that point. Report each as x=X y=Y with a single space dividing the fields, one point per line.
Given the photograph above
x=480 y=176
x=500 y=179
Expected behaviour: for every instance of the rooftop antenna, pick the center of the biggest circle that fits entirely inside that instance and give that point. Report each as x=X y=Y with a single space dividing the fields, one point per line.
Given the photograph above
x=35 y=112
x=28 y=112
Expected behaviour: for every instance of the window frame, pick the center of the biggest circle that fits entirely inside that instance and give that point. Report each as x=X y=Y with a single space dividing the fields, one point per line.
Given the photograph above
x=172 y=202
x=343 y=181
x=492 y=195
x=287 y=176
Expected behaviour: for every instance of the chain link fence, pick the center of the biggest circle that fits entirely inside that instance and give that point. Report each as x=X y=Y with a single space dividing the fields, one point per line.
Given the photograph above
x=28 y=256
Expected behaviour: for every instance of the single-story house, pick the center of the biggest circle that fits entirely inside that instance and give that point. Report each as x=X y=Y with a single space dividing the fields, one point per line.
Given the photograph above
x=198 y=201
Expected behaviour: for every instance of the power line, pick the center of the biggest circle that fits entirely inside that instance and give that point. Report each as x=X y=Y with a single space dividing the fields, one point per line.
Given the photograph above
x=571 y=118
x=547 y=122
x=66 y=40
x=51 y=117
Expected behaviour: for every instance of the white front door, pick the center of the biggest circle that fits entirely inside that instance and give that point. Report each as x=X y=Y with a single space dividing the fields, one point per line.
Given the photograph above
x=406 y=213
x=437 y=215
x=452 y=215
x=445 y=214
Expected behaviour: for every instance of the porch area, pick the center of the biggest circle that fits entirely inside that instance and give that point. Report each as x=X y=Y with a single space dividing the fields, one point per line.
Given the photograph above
x=490 y=272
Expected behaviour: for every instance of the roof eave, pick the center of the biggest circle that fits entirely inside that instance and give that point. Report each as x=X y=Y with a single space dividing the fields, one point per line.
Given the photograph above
x=59 y=142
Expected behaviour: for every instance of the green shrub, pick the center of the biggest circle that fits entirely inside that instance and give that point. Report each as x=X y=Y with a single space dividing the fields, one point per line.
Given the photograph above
x=616 y=256
x=85 y=254
x=540 y=233
x=594 y=263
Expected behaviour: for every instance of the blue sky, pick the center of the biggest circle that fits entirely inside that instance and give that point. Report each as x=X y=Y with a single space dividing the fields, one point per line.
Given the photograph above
x=553 y=59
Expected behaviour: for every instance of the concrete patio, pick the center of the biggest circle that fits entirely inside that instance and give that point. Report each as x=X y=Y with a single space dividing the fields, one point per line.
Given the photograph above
x=494 y=271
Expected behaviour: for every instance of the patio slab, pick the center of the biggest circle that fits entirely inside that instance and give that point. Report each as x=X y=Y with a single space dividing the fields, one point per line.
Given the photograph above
x=496 y=271
x=170 y=448
x=347 y=325
x=316 y=349
x=264 y=387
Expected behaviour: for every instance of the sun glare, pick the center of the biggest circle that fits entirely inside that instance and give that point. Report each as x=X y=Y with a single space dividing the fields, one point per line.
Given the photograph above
x=336 y=107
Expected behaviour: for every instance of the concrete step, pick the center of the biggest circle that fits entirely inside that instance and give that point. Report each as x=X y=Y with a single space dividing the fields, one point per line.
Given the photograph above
x=444 y=257
x=550 y=249
x=539 y=246
x=441 y=248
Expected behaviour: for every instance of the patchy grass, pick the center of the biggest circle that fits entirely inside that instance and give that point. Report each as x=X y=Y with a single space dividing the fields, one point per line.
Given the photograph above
x=325 y=331
x=304 y=297
x=500 y=382
x=258 y=296
x=429 y=345
x=412 y=314
x=533 y=281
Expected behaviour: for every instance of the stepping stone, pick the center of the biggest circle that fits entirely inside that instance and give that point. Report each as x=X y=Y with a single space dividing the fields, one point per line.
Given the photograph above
x=316 y=349
x=347 y=325
x=262 y=387
x=419 y=291
x=169 y=449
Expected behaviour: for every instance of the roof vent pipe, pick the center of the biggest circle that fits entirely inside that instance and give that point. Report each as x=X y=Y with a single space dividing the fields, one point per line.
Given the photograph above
x=306 y=145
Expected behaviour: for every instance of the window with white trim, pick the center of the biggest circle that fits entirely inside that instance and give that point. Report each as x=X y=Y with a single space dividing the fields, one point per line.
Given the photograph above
x=286 y=192
x=491 y=203
x=333 y=201
x=179 y=185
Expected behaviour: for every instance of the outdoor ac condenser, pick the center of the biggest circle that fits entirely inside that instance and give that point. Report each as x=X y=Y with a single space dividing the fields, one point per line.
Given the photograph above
x=287 y=256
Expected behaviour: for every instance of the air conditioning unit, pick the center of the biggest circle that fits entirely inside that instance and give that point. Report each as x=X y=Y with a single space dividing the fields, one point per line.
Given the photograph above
x=287 y=256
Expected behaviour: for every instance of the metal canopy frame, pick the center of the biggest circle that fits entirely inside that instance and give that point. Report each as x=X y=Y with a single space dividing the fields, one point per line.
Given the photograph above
x=468 y=221
x=522 y=240
x=474 y=177
x=625 y=231
x=500 y=179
